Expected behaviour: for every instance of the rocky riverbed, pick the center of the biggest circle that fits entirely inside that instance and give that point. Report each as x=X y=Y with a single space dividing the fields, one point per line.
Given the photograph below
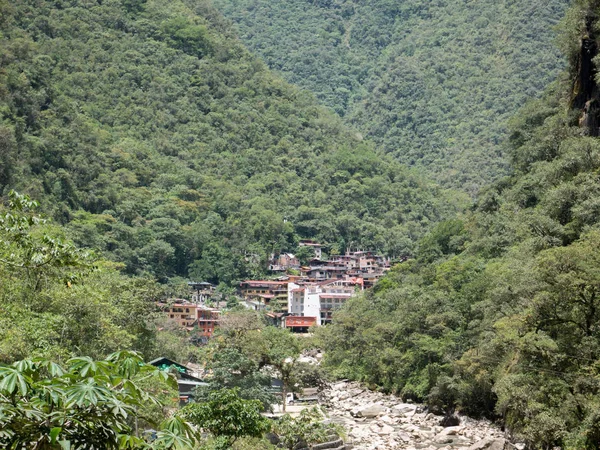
x=377 y=421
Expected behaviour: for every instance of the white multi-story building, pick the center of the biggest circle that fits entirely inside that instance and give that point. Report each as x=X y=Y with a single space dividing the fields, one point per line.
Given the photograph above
x=319 y=300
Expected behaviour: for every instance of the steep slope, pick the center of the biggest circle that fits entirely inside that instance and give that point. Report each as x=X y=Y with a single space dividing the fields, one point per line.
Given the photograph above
x=431 y=82
x=499 y=314
x=149 y=130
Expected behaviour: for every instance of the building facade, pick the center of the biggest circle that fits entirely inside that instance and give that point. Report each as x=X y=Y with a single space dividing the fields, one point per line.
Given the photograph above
x=319 y=299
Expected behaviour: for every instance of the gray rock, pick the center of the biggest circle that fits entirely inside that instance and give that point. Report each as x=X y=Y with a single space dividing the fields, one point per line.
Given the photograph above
x=403 y=409
x=450 y=421
x=451 y=431
x=385 y=429
x=404 y=437
x=489 y=444
x=371 y=411
x=443 y=439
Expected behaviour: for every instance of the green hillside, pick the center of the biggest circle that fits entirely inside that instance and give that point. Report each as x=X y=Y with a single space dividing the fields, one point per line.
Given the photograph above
x=499 y=313
x=431 y=82
x=152 y=134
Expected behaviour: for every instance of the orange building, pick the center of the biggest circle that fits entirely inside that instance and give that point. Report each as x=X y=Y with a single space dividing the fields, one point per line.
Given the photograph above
x=207 y=320
x=182 y=313
x=191 y=316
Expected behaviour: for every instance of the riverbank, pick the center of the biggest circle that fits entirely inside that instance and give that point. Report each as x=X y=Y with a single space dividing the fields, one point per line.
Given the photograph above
x=378 y=421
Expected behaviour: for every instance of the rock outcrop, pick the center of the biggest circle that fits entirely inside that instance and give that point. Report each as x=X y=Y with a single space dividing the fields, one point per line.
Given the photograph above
x=377 y=421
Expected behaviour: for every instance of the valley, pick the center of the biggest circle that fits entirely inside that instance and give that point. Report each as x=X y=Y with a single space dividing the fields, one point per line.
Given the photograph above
x=194 y=194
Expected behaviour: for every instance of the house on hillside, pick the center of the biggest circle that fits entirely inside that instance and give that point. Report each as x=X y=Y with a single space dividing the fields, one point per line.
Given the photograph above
x=201 y=291
x=193 y=317
x=181 y=312
x=271 y=293
x=317 y=248
x=283 y=262
x=186 y=382
x=299 y=324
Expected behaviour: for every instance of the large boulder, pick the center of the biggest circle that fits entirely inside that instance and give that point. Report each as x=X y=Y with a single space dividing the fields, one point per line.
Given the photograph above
x=403 y=409
x=451 y=431
x=385 y=429
x=490 y=444
x=450 y=421
x=370 y=411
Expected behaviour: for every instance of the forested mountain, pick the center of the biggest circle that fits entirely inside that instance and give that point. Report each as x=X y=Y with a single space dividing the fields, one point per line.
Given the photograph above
x=499 y=314
x=152 y=134
x=431 y=82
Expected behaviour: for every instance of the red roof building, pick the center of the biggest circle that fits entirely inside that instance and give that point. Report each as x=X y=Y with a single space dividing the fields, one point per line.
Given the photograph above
x=299 y=324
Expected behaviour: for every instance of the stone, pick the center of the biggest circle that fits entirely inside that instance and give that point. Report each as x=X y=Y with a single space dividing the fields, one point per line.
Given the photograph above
x=443 y=439
x=385 y=429
x=451 y=431
x=371 y=411
x=402 y=436
x=403 y=409
x=450 y=421
x=387 y=419
x=383 y=422
x=489 y=444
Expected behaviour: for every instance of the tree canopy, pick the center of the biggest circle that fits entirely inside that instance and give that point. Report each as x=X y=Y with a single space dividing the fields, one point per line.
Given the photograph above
x=433 y=83
x=154 y=136
x=498 y=313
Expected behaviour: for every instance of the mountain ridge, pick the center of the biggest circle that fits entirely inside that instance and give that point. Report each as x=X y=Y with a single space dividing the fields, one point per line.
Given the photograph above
x=432 y=83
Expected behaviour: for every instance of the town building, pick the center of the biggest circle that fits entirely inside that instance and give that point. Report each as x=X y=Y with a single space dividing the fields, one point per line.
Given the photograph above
x=207 y=319
x=201 y=291
x=317 y=248
x=183 y=313
x=193 y=317
x=271 y=293
x=299 y=324
x=186 y=381
x=284 y=262
x=319 y=299
x=365 y=265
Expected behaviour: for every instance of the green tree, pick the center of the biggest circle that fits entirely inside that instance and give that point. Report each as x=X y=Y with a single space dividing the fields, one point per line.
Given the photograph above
x=232 y=369
x=85 y=404
x=280 y=349
x=228 y=417
x=306 y=429
x=37 y=256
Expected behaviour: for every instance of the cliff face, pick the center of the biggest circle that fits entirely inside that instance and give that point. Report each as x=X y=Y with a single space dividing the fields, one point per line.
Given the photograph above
x=585 y=89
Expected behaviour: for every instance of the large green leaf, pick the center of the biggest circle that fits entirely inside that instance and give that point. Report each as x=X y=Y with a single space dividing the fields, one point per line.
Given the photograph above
x=86 y=394
x=86 y=366
x=11 y=381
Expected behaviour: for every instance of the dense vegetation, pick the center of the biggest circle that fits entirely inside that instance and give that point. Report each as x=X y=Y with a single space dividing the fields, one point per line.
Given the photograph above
x=432 y=82
x=57 y=301
x=499 y=314
x=149 y=131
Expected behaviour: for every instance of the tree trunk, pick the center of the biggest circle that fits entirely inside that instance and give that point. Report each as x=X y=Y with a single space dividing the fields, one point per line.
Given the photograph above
x=284 y=395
